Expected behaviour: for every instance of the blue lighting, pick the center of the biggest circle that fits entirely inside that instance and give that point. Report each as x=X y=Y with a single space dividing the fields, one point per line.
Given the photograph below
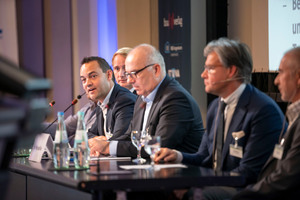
x=107 y=29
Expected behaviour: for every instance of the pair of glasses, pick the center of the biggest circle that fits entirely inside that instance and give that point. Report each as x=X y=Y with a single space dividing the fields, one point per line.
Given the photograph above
x=211 y=68
x=134 y=73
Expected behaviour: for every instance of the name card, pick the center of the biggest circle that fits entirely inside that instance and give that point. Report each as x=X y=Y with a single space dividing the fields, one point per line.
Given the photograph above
x=43 y=143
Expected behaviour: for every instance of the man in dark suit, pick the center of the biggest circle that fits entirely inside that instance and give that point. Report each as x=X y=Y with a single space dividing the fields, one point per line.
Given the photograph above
x=164 y=108
x=251 y=124
x=280 y=177
x=115 y=103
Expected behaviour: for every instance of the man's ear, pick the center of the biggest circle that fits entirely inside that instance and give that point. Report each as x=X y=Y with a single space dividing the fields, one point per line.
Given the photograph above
x=298 y=78
x=233 y=71
x=157 y=69
x=109 y=74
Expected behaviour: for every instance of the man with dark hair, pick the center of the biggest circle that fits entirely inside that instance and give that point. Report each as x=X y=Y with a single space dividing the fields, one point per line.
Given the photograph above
x=243 y=124
x=280 y=177
x=115 y=103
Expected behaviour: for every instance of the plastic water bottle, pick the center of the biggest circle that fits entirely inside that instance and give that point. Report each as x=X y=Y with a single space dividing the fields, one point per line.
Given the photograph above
x=61 y=152
x=81 y=146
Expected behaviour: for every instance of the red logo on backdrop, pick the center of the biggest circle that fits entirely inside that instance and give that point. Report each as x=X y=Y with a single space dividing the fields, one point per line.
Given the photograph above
x=172 y=21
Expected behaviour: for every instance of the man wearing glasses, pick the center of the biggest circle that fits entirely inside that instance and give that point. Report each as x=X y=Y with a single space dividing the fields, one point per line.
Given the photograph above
x=241 y=134
x=164 y=108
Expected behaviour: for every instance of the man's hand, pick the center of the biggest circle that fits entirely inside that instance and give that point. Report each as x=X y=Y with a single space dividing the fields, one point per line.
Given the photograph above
x=165 y=154
x=98 y=146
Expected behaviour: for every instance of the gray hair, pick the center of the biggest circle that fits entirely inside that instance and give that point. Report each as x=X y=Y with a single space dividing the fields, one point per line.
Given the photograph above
x=232 y=52
x=154 y=56
x=295 y=53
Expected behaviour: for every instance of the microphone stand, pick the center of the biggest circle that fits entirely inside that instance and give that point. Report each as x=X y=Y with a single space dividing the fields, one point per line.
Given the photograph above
x=73 y=103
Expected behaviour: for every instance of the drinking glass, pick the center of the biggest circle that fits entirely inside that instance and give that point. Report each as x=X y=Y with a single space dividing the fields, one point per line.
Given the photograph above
x=152 y=146
x=138 y=140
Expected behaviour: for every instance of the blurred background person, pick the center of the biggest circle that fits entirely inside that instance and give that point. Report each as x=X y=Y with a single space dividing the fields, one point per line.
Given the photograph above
x=118 y=63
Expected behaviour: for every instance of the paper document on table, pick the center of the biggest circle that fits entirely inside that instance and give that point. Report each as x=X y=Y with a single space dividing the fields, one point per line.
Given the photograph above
x=110 y=158
x=158 y=166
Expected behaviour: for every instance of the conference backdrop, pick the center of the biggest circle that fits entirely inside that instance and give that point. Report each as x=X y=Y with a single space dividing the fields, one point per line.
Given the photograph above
x=175 y=39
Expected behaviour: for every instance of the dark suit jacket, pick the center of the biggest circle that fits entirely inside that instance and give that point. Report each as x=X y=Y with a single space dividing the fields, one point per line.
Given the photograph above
x=119 y=114
x=260 y=118
x=279 y=179
x=174 y=115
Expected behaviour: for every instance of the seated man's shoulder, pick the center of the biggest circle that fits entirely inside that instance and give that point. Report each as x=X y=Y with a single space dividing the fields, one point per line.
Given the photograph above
x=261 y=99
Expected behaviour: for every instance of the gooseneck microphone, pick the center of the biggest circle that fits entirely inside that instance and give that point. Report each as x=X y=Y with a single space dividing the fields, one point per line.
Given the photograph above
x=228 y=80
x=72 y=103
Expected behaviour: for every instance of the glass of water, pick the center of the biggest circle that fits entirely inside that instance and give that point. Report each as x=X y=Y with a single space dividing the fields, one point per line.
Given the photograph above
x=152 y=146
x=138 y=139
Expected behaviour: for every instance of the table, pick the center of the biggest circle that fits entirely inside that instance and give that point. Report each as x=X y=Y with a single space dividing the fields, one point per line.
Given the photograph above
x=40 y=182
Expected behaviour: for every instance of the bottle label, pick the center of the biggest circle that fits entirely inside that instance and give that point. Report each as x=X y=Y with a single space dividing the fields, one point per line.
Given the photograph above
x=59 y=138
x=79 y=134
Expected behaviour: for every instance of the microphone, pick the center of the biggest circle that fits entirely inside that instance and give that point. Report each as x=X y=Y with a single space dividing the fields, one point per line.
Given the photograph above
x=227 y=80
x=52 y=103
x=72 y=103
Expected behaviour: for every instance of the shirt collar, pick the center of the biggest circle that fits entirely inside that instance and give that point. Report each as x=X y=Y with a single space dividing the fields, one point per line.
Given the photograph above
x=106 y=100
x=234 y=97
x=293 y=111
x=131 y=90
x=152 y=95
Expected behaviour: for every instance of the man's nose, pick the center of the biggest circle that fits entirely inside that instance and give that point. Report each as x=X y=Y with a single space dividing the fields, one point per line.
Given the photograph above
x=122 y=72
x=130 y=79
x=204 y=74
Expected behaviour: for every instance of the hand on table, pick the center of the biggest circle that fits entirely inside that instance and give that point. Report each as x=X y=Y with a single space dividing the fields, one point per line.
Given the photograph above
x=99 y=145
x=166 y=155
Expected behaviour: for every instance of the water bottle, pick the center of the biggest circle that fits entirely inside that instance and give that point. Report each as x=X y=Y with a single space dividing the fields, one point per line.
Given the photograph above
x=81 y=146
x=61 y=152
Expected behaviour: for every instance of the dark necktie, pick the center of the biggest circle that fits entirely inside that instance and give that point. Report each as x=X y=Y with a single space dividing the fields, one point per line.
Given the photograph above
x=220 y=135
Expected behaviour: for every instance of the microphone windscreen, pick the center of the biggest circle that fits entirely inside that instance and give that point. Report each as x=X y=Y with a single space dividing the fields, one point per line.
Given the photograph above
x=52 y=103
x=74 y=101
x=80 y=95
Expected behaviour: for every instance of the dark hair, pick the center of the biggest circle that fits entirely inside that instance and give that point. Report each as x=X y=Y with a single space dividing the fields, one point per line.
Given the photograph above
x=232 y=52
x=101 y=61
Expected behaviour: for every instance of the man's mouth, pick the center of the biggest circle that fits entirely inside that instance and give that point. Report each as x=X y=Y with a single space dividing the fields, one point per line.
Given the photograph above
x=91 y=90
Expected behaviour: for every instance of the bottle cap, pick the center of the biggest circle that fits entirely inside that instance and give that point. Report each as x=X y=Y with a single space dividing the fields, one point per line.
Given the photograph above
x=59 y=113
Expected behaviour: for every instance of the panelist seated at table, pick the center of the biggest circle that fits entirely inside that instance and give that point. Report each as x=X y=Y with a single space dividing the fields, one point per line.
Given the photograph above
x=242 y=137
x=118 y=64
x=280 y=176
x=89 y=111
x=163 y=108
x=115 y=103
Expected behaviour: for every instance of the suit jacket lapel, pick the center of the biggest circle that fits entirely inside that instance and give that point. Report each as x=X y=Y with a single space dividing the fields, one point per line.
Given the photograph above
x=109 y=109
x=100 y=121
x=157 y=98
x=137 y=122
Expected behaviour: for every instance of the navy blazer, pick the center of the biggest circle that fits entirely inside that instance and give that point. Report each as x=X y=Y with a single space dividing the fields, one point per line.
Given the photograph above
x=261 y=120
x=119 y=114
x=174 y=115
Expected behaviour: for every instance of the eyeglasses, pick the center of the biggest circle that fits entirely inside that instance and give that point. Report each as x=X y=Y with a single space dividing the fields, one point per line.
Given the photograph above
x=211 y=68
x=134 y=73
